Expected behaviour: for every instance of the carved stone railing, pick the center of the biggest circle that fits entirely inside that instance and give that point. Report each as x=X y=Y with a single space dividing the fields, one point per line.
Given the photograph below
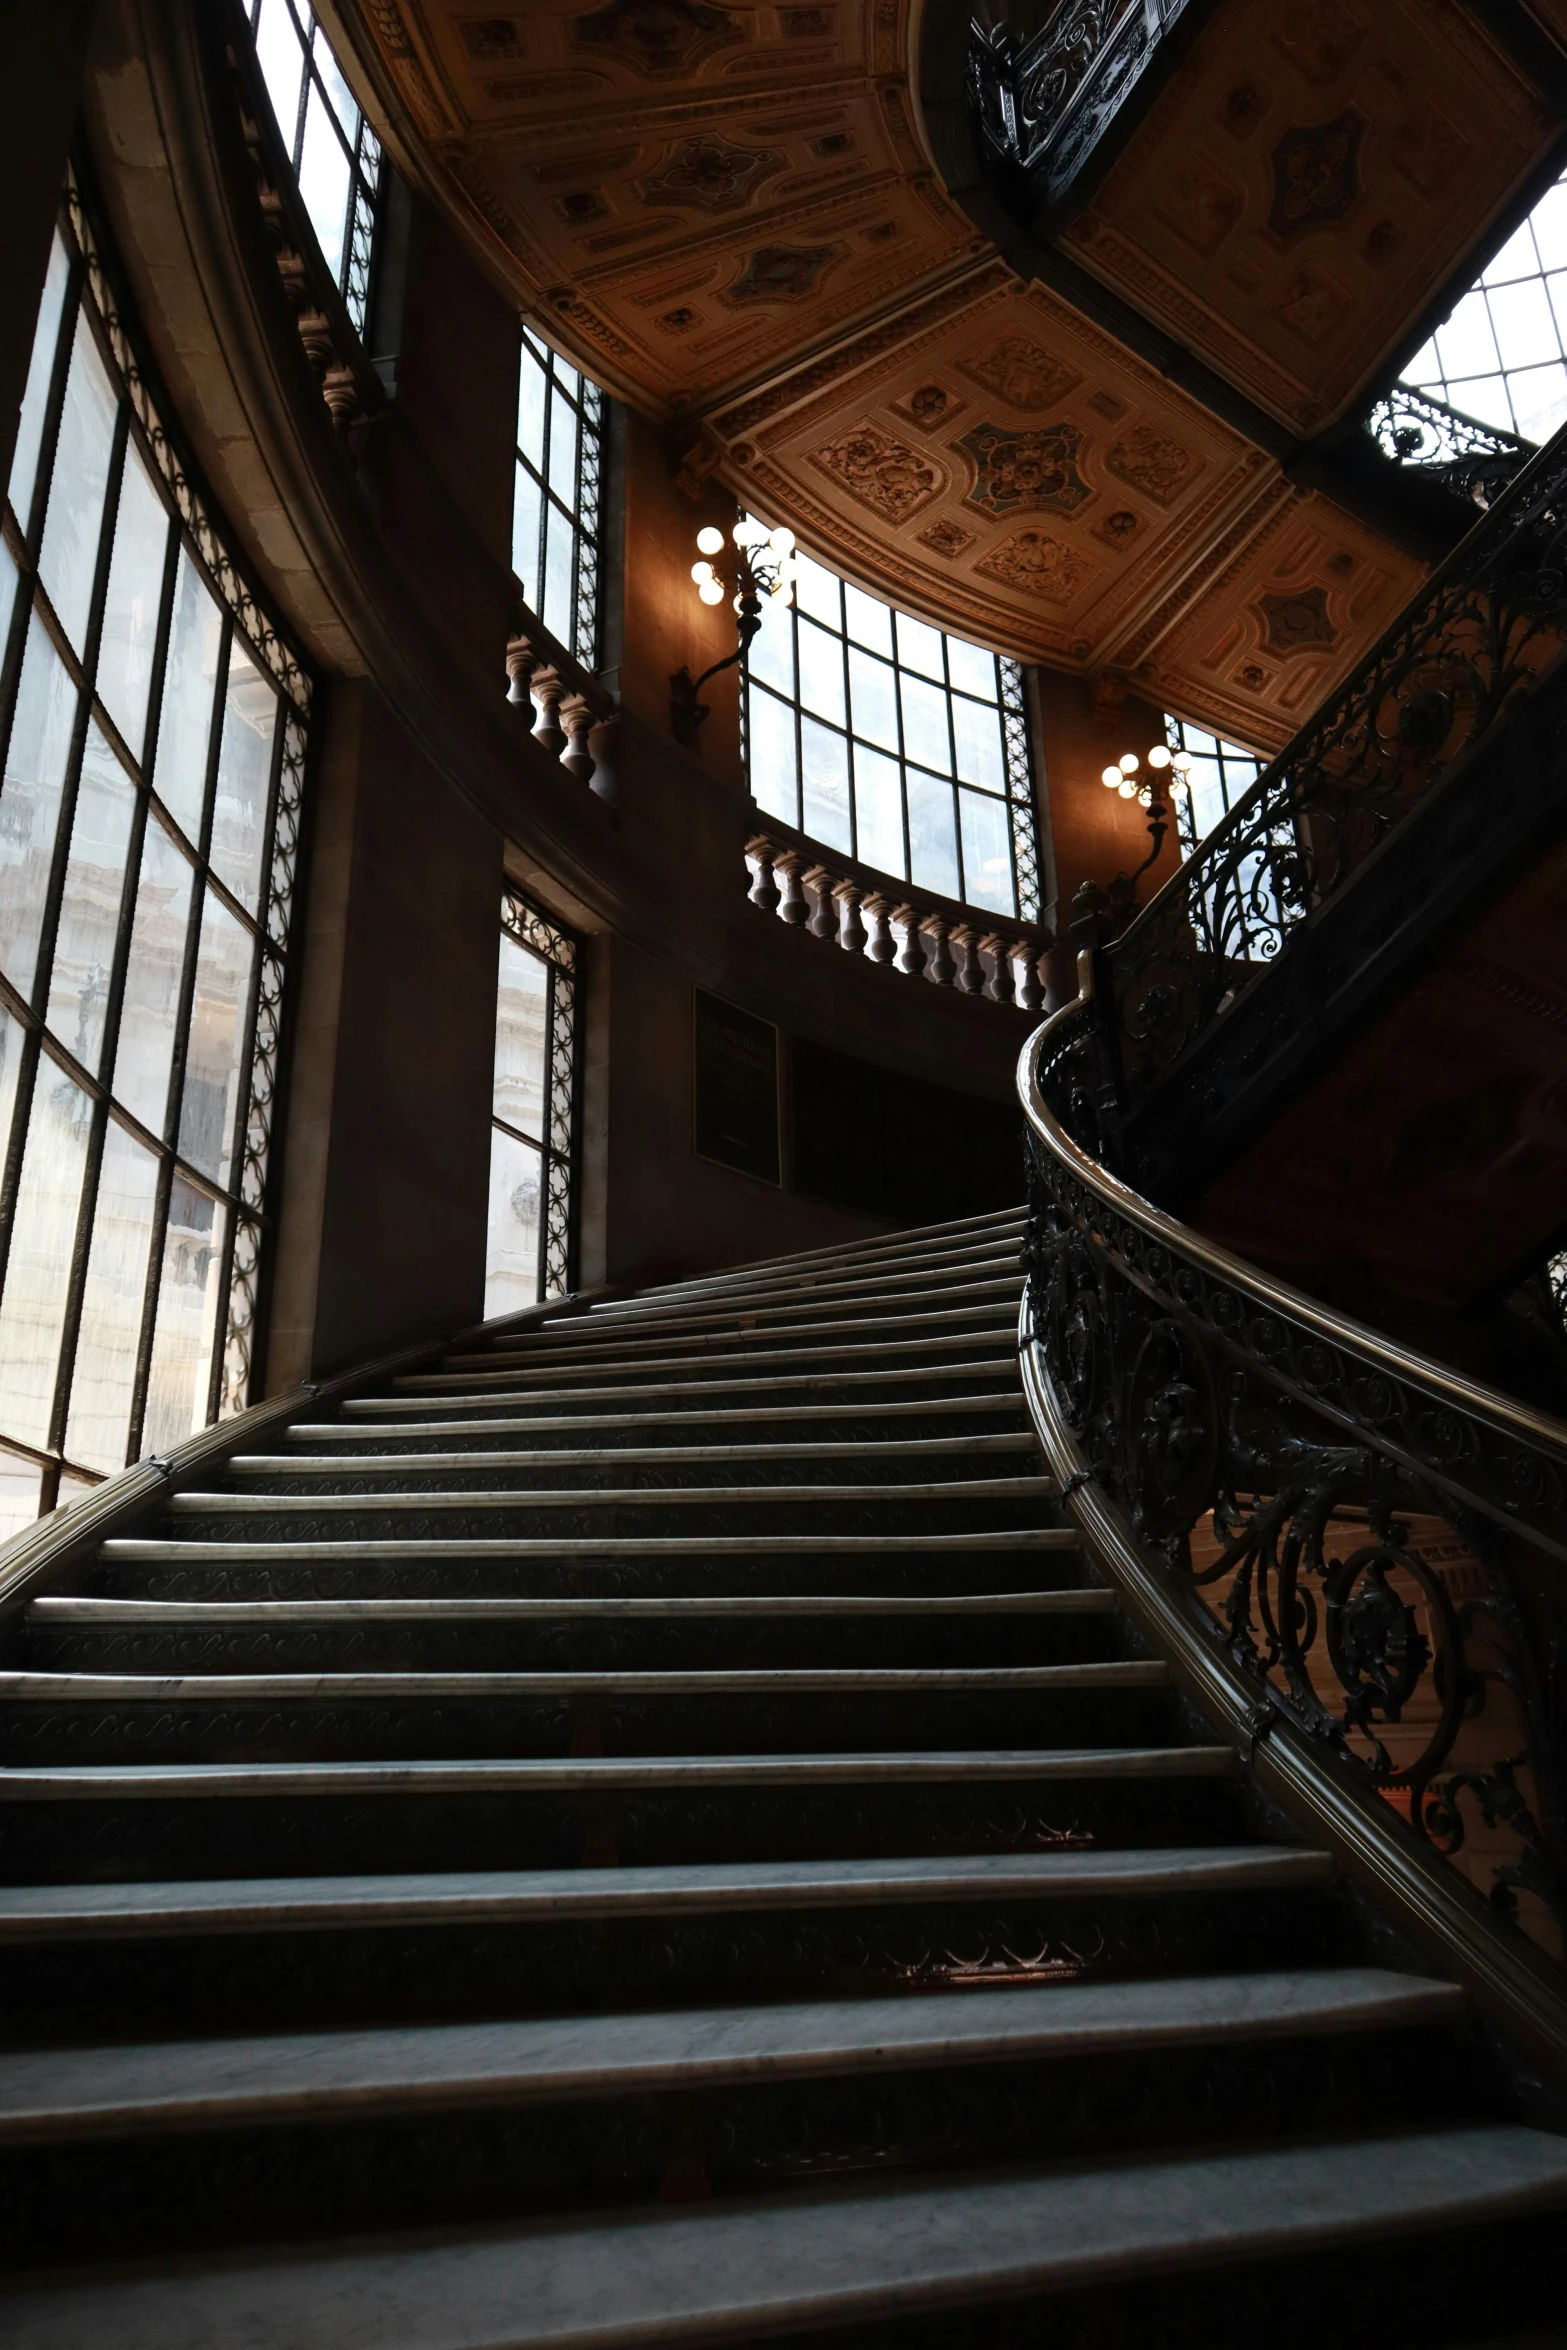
x=1374 y=1545
x=873 y=914
x=1475 y=461
x=1441 y=682
x=1041 y=106
x=575 y=720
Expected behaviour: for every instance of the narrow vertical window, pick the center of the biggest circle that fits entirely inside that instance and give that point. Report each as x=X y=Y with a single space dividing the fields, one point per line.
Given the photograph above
x=1218 y=775
x=335 y=154
x=532 y=1207
x=555 y=503
x=152 y=745
x=893 y=743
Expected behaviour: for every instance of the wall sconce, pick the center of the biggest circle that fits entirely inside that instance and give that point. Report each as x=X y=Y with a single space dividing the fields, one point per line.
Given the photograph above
x=1125 y=777
x=762 y=564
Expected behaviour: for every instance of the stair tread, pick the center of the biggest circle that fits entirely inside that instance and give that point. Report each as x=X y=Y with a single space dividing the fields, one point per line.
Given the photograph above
x=994 y=1367
x=805 y=2258
x=737 y=1415
x=143 y=1548
x=375 y=1464
x=553 y=1774
x=1029 y=1488
x=263 y=1904
x=153 y=1613
x=849 y=1349
x=54 y=2092
x=24 y=1688
x=742 y=1317
x=941 y=1277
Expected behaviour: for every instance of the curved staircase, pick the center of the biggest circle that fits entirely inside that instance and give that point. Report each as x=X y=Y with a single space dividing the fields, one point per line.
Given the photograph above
x=653 y=1829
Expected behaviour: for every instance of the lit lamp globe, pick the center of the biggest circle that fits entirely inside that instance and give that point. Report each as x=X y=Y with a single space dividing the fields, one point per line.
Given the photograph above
x=710 y=539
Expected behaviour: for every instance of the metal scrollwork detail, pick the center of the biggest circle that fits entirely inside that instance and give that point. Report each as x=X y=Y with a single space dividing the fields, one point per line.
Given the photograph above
x=1041 y=105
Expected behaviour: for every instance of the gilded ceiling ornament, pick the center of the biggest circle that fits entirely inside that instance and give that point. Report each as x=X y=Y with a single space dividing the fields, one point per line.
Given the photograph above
x=1297 y=619
x=781 y=273
x=1310 y=303
x=658 y=36
x=927 y=406
x=1025 y=472
x=1316 y=174
x=1117 y=530
x=884 y=474
x=1039 y=565
x=946 y=538
x=1147 y=461
x=1319 y=38
x=711 y=173
x=1022 y=372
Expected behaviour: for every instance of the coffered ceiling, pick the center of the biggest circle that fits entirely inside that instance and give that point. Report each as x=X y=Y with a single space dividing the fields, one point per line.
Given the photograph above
x=728 y=214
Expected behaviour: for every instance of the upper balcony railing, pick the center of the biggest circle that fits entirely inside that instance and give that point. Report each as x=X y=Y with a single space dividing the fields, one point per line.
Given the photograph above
x=1042 y=105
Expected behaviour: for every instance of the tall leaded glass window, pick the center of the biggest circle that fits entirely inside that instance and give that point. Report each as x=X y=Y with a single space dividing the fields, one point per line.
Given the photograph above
x=152 y=743
x=1219 y=774
x=335 y=154
x=533 y=1125
x=555 y=500
x=894 y=743
x=1502 y=354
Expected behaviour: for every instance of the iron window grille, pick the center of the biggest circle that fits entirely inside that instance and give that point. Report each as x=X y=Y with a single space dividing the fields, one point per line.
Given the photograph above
x=1501 y=354
x=893 y=743
x=555 y=499
x=153 y=731
x=1219 y=775
x=533 y=1123
x=335 y=154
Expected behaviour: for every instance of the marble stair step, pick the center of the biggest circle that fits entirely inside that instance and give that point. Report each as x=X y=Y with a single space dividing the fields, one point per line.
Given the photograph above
x=94 y=1912
x=163 y=1550
x=477 y=1418
x=963 y=1491
x=981 y=1336
x=59 y=2093
x=892 y=1281
x=894 y=1311
x=607 y=1774
x=747 y=1607
x=936 y=1451
x=974 y=1234
x=188 y=1689
x=690 y=1399
x=807 y=2260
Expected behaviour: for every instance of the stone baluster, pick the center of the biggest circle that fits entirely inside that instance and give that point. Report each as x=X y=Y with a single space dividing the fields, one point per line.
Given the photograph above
x=824 y=919
x=998 y=987
x=341 y=394
x=881 y=946
x=1030 y=991
x=548 y=690
x=911 y=954
x=521 y=662
x=794 y=907
x=851 y=930
x=939 y=966
x=576 y=721
x=971 y=972
x=603 y=743
x=763 y=892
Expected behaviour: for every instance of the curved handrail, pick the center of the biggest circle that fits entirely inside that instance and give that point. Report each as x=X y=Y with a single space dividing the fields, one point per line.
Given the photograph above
x=1237 y=1428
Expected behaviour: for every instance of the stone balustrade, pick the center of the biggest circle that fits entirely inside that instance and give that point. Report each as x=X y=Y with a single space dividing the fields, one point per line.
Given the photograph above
x=575 y=725
x=1003 y=963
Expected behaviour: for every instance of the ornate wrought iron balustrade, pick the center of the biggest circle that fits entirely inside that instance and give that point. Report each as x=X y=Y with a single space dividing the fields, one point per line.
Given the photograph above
x=1475 y=461
x=1041 y=106
x=1378 y=1546
x=1483 y=629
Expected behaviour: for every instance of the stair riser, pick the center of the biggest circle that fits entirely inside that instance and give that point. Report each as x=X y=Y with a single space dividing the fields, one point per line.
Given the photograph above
x=809 y=1467
x=184 y=1984
x=837 y=1513
x=866 y=1343
x=713 y=1386
x=148 y=1840
x=388 y=1729
x=960 y=1300
x=640 y=1644
x=777 y=1422
x=66 y=2201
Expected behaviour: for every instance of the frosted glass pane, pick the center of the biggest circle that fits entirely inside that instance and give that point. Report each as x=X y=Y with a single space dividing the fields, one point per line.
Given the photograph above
x=521 y=1039
x=821 y=672
x=1549 y=223
x=824 y=777
x=7 y=595
x=1523 y=325
x=130 y=619
x=511 y=1279
x=104 y=1375
x=1465 y=342
x=11 y=1039
x=73 y=522
x=1539 y=400
x=152 y=980
x=30 y=802
x=35 y=398
x=933 y=851
x=816 y=592
x=925 y=723
x=770 y=747
x=772 y=651
x=563 y=449
x=919 y=647
x=282 y=64
x=217 y=1018
x=987 y=853
x=532 y=393
x=239 y=808
x=878 y=808
x=43 y=1235
x=189 y=684
x=525 y=535
x=559 y=543
x=971 y=669
x=873 y=698
x=187 y=1311
x=976 y=729
x=344 y=105
x=324 y=177
x=19 y=1484
x=867 y=620
x=90 y=905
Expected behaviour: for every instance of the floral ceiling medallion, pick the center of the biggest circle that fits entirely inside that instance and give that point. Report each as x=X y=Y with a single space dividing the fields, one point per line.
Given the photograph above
x=658 y=36
x=1316 y=175
x=781 y=273
x=1025 y=472
x=884 y=474
x=711 y=173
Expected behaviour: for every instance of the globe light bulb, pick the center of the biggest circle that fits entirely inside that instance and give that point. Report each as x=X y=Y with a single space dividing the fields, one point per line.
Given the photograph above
x=1182 y=762
x=1111 y=778
x=701 y=573
x=710 y=592
x=710 y=539
x=1130 y=762
x=1145 y=797
x=781 y=540
x=1159 y=756
x=738 y=603
x=1128 y=788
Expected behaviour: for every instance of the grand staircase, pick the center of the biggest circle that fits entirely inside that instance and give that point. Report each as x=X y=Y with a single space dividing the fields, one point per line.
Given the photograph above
x=653 y=1830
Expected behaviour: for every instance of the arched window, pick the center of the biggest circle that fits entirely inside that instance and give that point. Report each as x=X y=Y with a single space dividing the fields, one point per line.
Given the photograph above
x=555 y=499
x=1501 y=355
x=893 y=743
x=153 y=733
x=335 y=154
